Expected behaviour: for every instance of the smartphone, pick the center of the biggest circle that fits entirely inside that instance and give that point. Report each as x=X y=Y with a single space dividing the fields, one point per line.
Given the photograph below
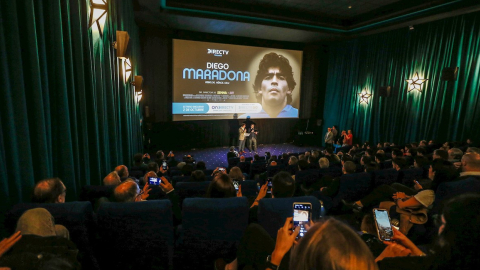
x=269 y=185
x=236 y=184
x=164 y=165
x=382 y=222
x=221 y=169
x=416 y=182
x=301 y=216
x=154 y=181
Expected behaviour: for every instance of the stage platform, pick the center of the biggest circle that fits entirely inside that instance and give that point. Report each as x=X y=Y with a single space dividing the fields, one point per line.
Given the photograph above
x=217 y=157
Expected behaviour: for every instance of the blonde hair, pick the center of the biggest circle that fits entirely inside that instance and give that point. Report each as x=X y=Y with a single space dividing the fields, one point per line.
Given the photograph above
x=236 y=173
x=323 y=162
x=332 y=245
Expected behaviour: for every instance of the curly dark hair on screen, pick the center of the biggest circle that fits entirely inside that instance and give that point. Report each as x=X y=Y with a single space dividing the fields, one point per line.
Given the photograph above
x=274 y=60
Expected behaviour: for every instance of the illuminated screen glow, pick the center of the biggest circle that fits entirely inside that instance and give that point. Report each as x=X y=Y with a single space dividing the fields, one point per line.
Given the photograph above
x=219 y=81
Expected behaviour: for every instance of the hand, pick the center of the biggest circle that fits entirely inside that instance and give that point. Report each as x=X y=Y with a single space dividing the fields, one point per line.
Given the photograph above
x=399 y=195
x=403 y=240
x=239 y=193
x=262 y=192
x=162 y=170
x=417 y=186
x=322 y=188
x=165 y=185
x=393 y=250
x=7 y=243
x=146 y=156
x=285 y=239
x=146 y=190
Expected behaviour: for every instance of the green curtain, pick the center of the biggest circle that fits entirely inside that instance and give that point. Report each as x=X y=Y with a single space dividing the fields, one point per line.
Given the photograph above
x=444 y=111
x=65 y=110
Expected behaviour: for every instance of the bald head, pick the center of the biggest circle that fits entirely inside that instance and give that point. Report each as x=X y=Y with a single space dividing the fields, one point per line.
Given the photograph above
x=112 y=179
x=51 y=190
x=471 y=162
x=122 y=171
x=126 y=191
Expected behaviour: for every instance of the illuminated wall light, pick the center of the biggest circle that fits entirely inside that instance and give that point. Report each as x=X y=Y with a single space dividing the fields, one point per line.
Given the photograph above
x=98 y=14
x=415 y=83
x=127 y=69
x=364 y=96
x=138 y=96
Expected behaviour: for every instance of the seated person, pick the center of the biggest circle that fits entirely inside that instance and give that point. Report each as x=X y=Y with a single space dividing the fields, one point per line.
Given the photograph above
x=236 y=174
x=198 y=176
x=112 y=179
x=50 y=190
x=332 y=189
x=38 y=242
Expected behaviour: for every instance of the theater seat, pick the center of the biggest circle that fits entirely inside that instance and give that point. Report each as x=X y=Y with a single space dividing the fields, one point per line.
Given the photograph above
x=273 y=212
x=249 y=188
x=136 y=235
x=386 y=176
x=191 y=189
x=448 y=190
x=411 y=174
x=257 y=168
x=353 y=187
x=77 y=217
x=211 y=229
x=93 y=193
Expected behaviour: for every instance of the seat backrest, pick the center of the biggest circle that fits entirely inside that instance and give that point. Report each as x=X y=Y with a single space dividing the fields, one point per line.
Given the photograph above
x=385 y=176
x=273 y=212
x=257 y=168
x=411 y=174
x=191 y=189
x=136 y=235
x=177 y=179
x=449 y=190
x=353 y=187
x=249 y=188
x=93 y=193
x=211 y=228
x=273 y=170
x=77 y=217
x=233 y=162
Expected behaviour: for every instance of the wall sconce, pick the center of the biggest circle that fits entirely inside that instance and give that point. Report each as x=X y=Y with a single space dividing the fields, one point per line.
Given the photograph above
x=121 y=43
x=138 y=96
x=364 y=96
x=98 y=14
x=138 y=82
x=415 y=83
x=127 y=69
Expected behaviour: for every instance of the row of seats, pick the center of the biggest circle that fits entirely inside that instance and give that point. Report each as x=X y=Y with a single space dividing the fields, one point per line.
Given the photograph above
x=141 y=235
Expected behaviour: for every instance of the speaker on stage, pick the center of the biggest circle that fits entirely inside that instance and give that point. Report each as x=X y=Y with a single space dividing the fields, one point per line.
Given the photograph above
x=449 y=74
x=385 y=91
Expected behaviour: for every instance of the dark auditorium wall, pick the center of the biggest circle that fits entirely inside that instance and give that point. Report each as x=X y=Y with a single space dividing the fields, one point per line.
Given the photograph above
x=65 y=110
x=160 y=130
x=444 y=111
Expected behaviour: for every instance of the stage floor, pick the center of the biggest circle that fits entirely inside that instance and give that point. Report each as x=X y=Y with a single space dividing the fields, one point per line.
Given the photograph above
x=217 y=157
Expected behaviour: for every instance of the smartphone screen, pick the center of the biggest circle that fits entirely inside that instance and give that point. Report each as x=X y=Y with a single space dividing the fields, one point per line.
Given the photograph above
x=164 y=165
x=236 y=184
x=154 y=181
x=384 y=227
x=269 y=185
x=301 y=216
x=221 y=169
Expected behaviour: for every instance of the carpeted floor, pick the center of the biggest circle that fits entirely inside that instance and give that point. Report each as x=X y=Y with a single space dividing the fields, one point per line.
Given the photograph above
x=217 y=157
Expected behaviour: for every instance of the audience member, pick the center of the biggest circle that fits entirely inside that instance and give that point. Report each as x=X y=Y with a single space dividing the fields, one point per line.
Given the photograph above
x=129 y=191
x=221 y=187
x=50 y=190
x=348 y=168
x=198 y=176
x=112 y=179
x=236 y=174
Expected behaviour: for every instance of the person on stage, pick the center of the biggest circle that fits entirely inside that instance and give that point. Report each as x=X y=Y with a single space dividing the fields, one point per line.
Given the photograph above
x=349 y=137
x=329 y=138
x=252 y=138
x=241 y=139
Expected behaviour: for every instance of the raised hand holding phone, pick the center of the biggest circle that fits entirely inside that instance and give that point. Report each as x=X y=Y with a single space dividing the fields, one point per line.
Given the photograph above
x=285 y=239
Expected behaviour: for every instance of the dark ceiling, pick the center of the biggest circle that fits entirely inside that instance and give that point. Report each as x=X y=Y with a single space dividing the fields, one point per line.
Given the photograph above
x=301 y=21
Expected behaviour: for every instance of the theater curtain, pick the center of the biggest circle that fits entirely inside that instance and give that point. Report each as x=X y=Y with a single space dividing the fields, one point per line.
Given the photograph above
x=65 y=110
x=443 y=111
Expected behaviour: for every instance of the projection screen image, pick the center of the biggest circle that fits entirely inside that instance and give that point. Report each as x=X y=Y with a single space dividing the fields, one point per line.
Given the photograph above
x=224 y=81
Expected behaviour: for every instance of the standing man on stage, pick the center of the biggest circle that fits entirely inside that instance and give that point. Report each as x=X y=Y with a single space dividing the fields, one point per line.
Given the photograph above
x=253 y=138
x=329 y=138
x=241 y=139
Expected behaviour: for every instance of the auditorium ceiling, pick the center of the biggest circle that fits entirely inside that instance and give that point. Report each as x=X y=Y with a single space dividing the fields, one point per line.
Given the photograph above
x=296 y=20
